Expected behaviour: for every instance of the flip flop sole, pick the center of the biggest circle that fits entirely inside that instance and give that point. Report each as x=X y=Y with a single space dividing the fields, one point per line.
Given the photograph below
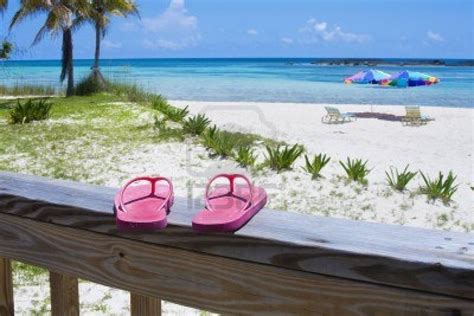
x=142 y=209
x=227 y=220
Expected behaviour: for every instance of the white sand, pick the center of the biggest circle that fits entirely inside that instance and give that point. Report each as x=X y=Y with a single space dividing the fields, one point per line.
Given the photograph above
x=443 y=145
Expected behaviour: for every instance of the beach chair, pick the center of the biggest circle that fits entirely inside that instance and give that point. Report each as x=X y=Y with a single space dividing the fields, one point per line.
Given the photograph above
x=333 y=116
x=413 y=117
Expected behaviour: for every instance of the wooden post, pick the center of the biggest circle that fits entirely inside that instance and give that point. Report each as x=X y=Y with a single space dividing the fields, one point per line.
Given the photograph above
x=6 y=288
x=144 y=306
x=64 y=295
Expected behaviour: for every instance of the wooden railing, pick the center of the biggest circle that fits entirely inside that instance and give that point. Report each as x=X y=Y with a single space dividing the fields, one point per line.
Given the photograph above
x=280 y=263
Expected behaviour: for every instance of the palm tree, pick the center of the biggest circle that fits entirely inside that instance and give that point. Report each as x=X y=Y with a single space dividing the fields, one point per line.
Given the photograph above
x=60 y=19
x=3 y=5
x=99 y=16
x=5 y=47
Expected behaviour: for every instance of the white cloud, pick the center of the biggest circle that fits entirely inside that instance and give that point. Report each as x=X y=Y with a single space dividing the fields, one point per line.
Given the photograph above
x=286 y=40
x=174 y=29
x=252 y=32
x=316 y=31
x=110 y=44
x=434 y=36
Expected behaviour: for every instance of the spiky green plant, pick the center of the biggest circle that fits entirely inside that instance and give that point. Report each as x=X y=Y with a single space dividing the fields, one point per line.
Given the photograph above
x=282 y=157
x=315 y=166
x=222 y=144
x=399 y=180
x=196 y=124
x=160 y=124
x=31 y=110
x=175 y=114
x=209 y=135
x=356 y=170
x=245 y=156
x=439 y=187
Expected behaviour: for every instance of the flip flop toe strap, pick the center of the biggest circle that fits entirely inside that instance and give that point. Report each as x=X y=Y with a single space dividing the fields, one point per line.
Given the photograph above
x=153 y=181
x=231 y=178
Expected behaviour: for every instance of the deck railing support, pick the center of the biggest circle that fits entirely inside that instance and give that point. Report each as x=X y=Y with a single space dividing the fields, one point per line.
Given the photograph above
x=144 y=305
x=64 y=295
x=6 y=288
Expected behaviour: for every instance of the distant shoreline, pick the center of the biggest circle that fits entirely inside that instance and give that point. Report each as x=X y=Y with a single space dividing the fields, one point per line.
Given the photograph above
x=339 y=61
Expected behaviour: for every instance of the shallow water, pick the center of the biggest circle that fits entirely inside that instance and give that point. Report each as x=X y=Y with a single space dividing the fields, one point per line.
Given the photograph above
x=269 y=80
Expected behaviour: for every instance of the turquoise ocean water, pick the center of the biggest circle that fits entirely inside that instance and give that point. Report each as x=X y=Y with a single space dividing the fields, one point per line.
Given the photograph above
x=270 y=80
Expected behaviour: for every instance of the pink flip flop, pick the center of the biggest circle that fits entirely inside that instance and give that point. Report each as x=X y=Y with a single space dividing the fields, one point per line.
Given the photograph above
x=229 y=208
x=144 y=206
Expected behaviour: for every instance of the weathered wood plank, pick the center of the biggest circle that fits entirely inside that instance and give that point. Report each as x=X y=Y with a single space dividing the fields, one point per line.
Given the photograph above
x=206 y=281
x=434 y=261
x=64 y=294
x=144 y=306
x=6 y=288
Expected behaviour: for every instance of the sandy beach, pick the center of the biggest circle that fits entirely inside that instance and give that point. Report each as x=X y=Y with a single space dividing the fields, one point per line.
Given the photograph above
x=442 y=145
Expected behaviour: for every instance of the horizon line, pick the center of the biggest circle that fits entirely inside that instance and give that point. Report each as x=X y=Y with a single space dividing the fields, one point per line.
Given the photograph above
x=257 y=57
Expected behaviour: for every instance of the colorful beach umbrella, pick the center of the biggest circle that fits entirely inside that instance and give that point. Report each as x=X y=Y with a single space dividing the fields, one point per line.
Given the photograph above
x=371 y=76
x=409 y=79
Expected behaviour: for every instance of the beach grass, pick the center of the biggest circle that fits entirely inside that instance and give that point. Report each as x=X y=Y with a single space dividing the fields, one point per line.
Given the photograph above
x=28 y=90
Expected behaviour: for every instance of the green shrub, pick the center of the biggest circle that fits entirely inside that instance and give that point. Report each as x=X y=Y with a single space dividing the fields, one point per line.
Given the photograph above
x=90 y=85
x=196 y=124
x=31 y=110
x=439 y=188
x=282 y=158
x=245 y=156
x=356 y=170
x=315 y=166
x=399 y=180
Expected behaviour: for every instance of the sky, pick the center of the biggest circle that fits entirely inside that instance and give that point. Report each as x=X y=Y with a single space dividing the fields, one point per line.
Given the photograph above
x=269 y=28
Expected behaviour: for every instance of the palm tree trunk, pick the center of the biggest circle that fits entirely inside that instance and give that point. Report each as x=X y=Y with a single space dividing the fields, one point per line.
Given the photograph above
x=98 y=37
x=67 y=62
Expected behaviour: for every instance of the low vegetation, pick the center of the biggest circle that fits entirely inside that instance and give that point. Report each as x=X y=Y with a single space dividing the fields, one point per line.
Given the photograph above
x=27 y=90
x=29 y=111
x=245 y=156
x=399 y=180
x=196 y=125
x=133 y=93
x=440 y=187
x=281 y=158
x=314 y=167
x=90 y=85
x=221 y=143
x=356 y=170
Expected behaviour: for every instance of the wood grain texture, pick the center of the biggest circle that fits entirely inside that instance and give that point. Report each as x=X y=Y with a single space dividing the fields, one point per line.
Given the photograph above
x=64 y=294
x=207 y=282
x=144 y=306
x=6 y=288
x=433 y=261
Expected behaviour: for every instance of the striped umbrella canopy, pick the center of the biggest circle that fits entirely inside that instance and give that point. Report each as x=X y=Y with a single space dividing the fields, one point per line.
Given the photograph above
x=406 y=78
x=371 y=76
